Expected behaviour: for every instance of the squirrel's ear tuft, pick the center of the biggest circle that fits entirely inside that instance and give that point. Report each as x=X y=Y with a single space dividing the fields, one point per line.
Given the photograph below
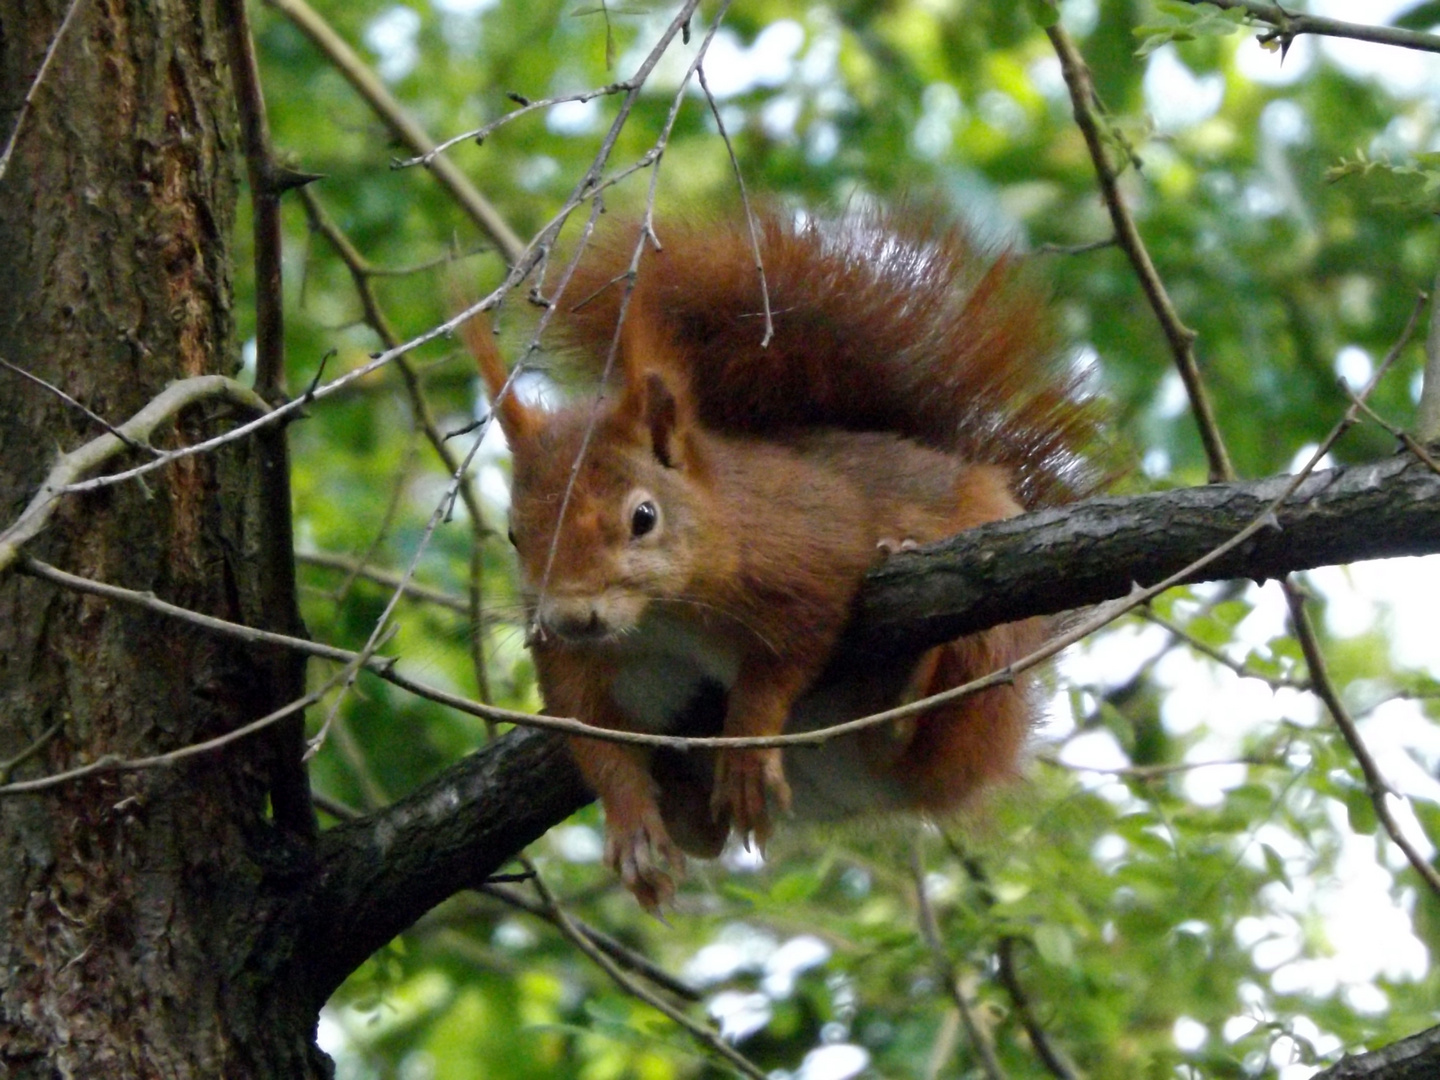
x=662 y=417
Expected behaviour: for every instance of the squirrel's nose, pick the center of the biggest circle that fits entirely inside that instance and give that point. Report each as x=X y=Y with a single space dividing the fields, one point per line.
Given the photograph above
x=571 y=621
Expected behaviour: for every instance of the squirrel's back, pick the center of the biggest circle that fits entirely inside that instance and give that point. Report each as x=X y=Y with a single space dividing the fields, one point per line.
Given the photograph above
x=882 y=321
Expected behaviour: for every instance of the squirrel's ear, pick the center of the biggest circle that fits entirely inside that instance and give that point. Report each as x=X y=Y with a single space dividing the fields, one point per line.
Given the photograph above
x=649 y=365
x=662 y=418
x=517 y=420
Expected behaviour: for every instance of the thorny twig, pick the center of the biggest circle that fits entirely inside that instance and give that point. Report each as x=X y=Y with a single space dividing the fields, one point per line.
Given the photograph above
x=483 y=132
x=401 y=124
x=1289 y=26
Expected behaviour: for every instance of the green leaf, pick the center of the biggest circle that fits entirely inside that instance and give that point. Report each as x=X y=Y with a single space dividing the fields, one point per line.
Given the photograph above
x=1055 y=946
x=1361 y=812
x=1275 y=865
x=1422 y=16
x=1046 y=13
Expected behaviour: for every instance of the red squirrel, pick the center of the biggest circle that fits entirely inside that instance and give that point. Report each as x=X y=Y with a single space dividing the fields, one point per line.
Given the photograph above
x=692 y=533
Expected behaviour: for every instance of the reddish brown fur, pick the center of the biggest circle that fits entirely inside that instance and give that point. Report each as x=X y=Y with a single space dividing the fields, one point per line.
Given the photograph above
x=883 y=322
x=912 y=390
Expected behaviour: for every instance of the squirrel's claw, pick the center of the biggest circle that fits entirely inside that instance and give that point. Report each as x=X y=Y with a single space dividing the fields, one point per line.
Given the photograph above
x=888 y=545
x=746 y=783
x=644 y=857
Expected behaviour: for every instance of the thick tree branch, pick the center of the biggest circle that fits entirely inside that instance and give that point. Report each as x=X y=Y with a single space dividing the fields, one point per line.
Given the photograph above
x=1071 y=557
x=1415 y=1058
x=376 y=876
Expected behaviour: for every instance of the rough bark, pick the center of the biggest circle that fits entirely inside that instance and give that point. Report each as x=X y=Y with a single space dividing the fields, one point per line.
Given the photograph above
x=1415 y=1058
x=1069 y=557
x=130 y=906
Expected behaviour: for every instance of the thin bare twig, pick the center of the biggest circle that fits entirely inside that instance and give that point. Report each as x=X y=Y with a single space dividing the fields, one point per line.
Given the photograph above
x=1375 y=785
x=93 y=417
x=475 y=639
x=24 y=110
x=380 y=665
x=1148 y=772
x=355 y=569
x=62 y=476
x=361 y=271
x=448 y=258
x=1180 y=336
x=626 y=957
x=1403 y=437
x=1275 y=682
x=109 y=763
x=400 y=123
x=930 y=929
x=483 y=132
x=1075 y=249
x=383 y=628
x=745 y=201
x=7 y=768
x=334 y=807
x=387 y=518
x=702 y=1033
x=1290 y=26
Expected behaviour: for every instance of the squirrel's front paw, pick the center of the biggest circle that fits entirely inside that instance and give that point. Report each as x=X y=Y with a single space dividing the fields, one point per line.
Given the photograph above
x=639 y=849
x=746 y=781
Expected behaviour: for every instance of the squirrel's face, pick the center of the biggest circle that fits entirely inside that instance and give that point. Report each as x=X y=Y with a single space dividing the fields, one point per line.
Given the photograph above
x=600 y=542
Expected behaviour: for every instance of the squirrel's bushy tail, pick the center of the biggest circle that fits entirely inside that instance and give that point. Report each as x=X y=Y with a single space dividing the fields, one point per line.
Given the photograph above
x=882 y=321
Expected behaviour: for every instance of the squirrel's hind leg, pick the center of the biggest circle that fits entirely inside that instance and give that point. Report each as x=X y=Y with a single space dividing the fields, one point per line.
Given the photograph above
x=750 y=780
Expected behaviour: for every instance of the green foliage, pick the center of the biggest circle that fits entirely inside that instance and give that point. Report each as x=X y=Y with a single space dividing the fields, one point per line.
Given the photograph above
x=1186 y=22
x=1164 y=919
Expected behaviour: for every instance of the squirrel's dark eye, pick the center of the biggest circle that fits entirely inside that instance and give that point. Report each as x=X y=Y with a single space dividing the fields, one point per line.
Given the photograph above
x=643 y=518
x=511 y=534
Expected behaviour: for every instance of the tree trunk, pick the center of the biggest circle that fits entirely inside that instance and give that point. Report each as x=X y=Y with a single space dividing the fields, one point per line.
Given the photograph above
x=132 y=904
